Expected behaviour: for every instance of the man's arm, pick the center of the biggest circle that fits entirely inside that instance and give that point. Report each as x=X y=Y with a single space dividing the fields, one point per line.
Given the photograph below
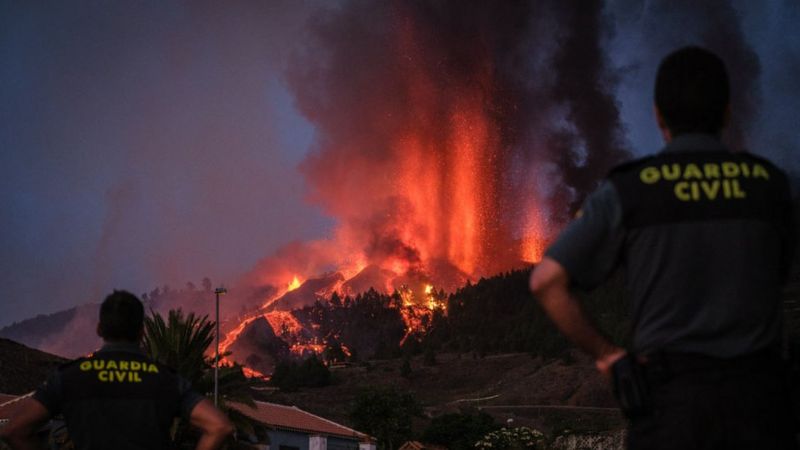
x=213 y=424
x=20 y=431
x=550 y=284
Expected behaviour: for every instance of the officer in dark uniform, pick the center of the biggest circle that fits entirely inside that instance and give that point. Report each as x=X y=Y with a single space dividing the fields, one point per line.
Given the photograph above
x=118 y=398
x=705 y=236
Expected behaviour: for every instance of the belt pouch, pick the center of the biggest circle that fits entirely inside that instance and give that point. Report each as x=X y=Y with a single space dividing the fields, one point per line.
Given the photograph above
x=631 y=387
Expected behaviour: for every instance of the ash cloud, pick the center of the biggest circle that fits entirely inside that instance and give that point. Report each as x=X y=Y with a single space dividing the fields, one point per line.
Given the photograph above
x=385 y=83
x=660 y=26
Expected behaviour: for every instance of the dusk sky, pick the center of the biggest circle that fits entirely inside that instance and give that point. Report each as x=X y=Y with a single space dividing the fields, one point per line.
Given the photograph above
x=152 y=143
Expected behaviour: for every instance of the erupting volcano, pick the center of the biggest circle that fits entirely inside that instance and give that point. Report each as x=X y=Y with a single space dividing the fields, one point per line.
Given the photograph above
x=452 y=139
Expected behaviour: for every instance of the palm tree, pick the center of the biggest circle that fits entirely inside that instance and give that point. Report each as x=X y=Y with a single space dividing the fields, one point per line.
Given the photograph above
x=182 y=342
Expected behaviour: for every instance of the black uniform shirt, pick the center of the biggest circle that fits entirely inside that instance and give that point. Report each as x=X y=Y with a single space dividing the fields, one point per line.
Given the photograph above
x=705 y=236
x=117 y=399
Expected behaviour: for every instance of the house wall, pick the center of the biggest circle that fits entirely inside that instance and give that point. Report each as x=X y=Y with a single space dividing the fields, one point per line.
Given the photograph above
x=301 y=441
x=335 y=443
x=287 y=438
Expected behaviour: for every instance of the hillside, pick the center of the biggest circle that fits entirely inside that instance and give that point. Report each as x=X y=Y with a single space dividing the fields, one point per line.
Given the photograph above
x=22 y=369
x=548 y=394
x=549 y=386
x=70 y=332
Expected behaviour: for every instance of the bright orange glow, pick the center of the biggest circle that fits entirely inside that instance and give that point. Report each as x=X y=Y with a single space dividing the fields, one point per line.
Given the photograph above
x=294 y=284
x=304 y=349
x=283 y=323
x=533 y=249
x=429 y=204
x=416 y=313
x=250 y=373
x=533 y=243
x=232 y=335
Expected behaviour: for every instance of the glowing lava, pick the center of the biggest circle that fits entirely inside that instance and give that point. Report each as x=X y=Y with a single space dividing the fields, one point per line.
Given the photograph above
x=294 y=284
x=418 y=314
x=283 y=323
x=449 y=147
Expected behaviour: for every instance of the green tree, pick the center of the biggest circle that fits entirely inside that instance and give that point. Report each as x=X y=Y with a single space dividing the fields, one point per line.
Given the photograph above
x=429 y=356
x=289 y=375
x=405 y=369
x=459 y=431
x=385 y=413
x=182 y=342
x=334 y=352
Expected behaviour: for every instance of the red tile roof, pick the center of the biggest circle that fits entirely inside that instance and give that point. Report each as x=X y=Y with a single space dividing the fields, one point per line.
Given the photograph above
x=295 y=419
x=271 y=414
x=417 y=445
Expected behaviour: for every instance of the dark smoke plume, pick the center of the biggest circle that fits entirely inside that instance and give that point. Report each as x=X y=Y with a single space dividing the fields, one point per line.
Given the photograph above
x=662 y=26
x=496 y=115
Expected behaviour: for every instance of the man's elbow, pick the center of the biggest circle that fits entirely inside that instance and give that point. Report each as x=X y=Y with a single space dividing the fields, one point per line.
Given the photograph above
x=223 y=428
x=539 y=284
x=547 y=278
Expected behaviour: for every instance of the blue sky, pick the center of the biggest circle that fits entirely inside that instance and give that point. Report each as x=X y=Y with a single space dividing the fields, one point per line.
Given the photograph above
x=156 y=143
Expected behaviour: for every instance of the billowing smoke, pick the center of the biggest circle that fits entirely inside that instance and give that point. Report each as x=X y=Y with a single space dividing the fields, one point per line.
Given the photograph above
x=454 y=134
x=658 y=27
x=453 y=138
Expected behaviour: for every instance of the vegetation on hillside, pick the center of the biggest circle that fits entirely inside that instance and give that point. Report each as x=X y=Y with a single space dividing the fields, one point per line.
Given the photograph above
x=369 y=325
x=385 y=413
x=290 y=375
x=459 y=431
x=494 y=315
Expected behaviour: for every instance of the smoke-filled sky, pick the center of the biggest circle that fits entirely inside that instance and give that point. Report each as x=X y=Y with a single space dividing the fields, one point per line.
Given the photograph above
x=156 y=143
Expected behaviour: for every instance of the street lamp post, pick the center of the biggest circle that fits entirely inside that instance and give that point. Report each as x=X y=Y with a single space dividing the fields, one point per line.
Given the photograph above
x=218 y=291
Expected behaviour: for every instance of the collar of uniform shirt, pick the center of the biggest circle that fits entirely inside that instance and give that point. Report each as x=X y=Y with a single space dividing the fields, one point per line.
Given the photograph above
x=129 y=347
x=693 y=142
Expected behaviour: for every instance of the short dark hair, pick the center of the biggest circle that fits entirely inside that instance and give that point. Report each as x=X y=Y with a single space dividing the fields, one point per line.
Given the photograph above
x=692 y=91
x=121 y=317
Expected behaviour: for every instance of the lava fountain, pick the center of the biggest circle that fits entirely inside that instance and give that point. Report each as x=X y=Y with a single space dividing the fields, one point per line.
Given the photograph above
x=453 y=139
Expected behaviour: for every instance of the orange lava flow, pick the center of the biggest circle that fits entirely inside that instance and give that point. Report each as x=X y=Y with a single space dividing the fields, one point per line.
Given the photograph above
x=301 y=349
x=232 y=335
x=250 y=373
x=283 y=322
x=427 y=200
x=294 y=284
x=230 y=338
x=417 y=313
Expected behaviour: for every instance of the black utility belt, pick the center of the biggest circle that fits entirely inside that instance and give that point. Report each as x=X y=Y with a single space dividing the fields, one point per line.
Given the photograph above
x=635 y=376
x=671 y=364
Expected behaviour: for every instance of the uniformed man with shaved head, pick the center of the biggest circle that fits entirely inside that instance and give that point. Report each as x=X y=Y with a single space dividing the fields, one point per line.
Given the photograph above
x=705 y=236
x=118 y=398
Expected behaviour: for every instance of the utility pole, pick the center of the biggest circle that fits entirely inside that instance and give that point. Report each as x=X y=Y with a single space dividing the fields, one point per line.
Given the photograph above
x=218 y=291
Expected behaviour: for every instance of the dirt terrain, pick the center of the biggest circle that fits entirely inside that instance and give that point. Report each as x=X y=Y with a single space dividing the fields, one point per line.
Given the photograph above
x=550 y=395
